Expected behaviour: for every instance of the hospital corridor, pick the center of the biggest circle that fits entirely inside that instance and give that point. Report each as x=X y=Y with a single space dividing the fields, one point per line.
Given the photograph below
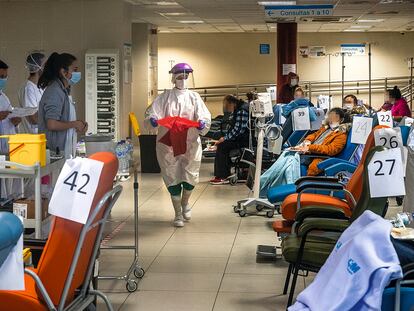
x=210 y=264
x=206 y=155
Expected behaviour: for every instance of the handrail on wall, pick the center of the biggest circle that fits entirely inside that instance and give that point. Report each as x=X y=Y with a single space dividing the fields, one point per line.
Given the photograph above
x=314 y=88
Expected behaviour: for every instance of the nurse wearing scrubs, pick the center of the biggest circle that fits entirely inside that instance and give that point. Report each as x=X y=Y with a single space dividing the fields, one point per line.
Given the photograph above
x=7 y=124
x=57 y=113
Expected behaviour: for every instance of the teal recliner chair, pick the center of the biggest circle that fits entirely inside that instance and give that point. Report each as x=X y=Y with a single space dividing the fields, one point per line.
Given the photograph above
x=11 y=229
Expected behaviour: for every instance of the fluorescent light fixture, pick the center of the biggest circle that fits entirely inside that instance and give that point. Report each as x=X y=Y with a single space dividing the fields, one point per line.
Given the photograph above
x=270 y=3
x=192 y=22
x=361 y=26
x=378 y=20
x=353 y=30
x=166 y=3
x=175 y=14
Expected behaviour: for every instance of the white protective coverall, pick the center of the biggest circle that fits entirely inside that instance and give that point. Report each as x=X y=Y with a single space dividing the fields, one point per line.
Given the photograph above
x=189 y=105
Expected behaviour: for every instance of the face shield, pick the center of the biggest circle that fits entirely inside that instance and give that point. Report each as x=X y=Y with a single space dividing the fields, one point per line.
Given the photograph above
x=182 y=81
x=182 y=76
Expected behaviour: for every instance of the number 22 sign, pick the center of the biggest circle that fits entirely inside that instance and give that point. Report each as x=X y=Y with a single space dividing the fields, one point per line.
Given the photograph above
x=75 y=189
x=386 y=175
x=385 y=118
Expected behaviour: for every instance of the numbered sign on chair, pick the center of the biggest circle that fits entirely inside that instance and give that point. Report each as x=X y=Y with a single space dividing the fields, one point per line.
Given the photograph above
x=282 y=119
x=388 y=137
x=272 y=91
x=320 y=117
x=75 y=189
x=385 y=173
x=385 y=118
x=361 y=127
x=301 y=120
x=408 y=121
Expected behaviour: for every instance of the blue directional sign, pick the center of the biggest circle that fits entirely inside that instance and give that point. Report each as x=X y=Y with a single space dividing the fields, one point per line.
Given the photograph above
x=298 y=10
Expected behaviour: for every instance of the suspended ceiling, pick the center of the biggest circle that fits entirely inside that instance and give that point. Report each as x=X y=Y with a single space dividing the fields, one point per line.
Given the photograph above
x=204 y=16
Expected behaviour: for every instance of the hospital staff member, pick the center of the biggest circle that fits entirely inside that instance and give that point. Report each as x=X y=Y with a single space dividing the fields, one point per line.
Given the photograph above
x=7 y=124
x=180 y=173
x=57 y=112
x=30 y=94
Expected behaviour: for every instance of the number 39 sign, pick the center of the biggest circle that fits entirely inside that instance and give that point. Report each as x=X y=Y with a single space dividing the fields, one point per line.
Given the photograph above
x=75 y=189
x=386 y=175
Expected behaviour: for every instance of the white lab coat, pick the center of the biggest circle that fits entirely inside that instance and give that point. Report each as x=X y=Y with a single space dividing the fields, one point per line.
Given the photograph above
x=189 y=105
x=71 y=135
x=6 y=127
x=29 y=97
x=8 y=186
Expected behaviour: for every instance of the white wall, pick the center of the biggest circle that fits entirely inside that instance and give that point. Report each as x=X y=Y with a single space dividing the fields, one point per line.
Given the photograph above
x=63 y=26
x=145 y=64
x=223 y=59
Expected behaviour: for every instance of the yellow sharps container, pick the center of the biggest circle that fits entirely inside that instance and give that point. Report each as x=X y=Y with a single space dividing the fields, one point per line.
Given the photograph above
x=27 y=149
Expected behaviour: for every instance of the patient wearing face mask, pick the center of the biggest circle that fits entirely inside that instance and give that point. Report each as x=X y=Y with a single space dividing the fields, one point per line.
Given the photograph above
x=287 y=93
x=329 y=140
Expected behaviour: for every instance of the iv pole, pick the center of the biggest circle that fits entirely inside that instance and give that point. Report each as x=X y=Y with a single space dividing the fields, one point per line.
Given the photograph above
x=411 y=82
x=343 y=75
x=370 y=79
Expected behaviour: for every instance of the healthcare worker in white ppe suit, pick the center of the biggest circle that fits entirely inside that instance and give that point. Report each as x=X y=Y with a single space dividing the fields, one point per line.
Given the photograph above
x=180 y=173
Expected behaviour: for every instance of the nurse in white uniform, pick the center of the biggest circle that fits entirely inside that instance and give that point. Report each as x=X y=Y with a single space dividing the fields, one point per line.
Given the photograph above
x=7 y=124
x=180 y=173
x=30 y=94
x=7 y=127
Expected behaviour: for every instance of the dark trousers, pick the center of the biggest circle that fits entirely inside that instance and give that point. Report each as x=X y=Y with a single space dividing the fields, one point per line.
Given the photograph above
x=222 y=164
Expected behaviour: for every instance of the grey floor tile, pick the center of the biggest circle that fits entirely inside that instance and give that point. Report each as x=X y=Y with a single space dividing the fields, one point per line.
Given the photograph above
x=169 y=301
x=250 y=283
x=250 y=302
x=188 y=265
x=201 y=282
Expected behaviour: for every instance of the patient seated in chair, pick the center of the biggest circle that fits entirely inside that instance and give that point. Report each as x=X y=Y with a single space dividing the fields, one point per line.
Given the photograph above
x=329 y=140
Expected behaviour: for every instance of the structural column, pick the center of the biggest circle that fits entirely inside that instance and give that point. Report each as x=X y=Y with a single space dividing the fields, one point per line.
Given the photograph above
x=286 y=53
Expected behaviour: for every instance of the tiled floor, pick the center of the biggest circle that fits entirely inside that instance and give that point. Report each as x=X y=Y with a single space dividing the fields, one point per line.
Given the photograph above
x=210 y=264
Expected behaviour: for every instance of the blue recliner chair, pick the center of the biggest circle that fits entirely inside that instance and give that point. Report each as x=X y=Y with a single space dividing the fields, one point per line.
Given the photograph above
x=11 y=229
x=279 y=193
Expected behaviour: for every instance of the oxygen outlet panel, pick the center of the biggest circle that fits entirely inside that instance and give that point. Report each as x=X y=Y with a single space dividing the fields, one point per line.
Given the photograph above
x=102 y=92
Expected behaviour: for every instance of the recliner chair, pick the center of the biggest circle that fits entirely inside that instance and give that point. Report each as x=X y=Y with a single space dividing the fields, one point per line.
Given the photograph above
x=62 y=278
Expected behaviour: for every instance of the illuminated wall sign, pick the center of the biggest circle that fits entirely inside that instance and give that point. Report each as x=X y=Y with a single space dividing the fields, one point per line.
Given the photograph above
x=298 y=10
x=353 y=49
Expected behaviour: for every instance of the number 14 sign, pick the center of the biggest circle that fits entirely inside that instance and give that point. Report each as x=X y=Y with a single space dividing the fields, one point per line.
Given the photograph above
x=75 y=189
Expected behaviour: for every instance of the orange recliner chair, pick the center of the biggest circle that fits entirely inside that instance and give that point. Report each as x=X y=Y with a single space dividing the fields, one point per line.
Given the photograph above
x=352 y=194
x=62 y=278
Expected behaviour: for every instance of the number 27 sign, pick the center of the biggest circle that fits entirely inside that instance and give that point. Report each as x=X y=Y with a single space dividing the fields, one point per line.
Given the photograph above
x=75 y=189
x=386 y=174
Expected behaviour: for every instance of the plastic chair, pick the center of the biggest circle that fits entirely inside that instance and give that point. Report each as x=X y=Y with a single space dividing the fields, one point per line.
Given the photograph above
x=308 y=250
x=62 y=278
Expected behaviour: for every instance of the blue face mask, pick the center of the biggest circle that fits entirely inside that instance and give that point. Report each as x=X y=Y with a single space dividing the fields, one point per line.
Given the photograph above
x=3 y=83
x=76 y=77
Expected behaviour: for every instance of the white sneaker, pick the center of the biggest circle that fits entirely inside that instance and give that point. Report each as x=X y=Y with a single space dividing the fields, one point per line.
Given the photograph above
x=187 y=212
x=179 y=221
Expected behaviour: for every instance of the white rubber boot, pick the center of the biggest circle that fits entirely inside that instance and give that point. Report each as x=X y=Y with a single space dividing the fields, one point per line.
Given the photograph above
x=178 y=220
x=185 y=204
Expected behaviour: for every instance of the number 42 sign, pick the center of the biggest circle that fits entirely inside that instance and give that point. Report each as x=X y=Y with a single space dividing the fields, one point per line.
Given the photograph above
x=75 y=189
x=386 y=175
